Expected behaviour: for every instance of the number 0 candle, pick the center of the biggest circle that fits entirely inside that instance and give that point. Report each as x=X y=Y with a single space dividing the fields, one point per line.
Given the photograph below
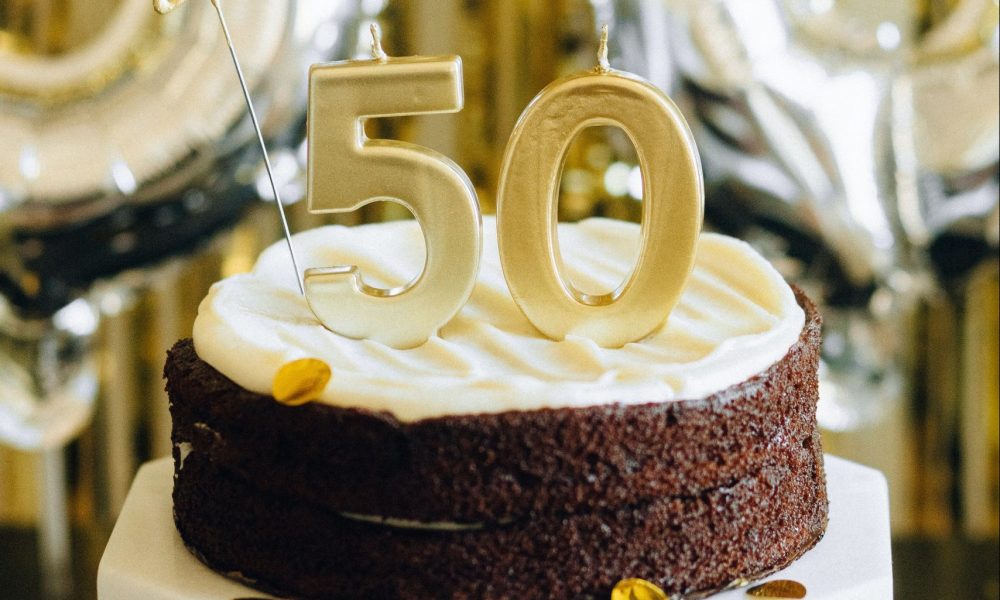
x=673 y=201
x=347 y=170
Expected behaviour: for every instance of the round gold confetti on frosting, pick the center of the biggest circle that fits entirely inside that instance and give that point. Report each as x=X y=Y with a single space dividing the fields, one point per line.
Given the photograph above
x=300 y=381
x=637 y=589
x=778 y=588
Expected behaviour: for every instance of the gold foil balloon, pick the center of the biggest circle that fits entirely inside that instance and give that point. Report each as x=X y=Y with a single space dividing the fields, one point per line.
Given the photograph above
x=637 y=589
x=347 y=170
x=673 y=200
x=300 y=381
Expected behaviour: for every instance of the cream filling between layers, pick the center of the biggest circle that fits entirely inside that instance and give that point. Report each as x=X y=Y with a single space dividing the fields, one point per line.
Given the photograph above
x=735 y=318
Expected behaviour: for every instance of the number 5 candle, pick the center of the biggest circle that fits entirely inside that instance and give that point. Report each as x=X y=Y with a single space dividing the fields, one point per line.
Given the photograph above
x=673 y=201
x=348 y=170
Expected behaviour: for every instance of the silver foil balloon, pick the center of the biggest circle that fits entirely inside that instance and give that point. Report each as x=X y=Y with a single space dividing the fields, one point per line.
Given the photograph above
x=141 y=102
x=872 y=130
x=850 y=125
x=49 y=375
x=805 y=127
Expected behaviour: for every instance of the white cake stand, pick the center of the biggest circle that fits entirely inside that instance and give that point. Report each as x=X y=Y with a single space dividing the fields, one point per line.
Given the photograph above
x=145 y=557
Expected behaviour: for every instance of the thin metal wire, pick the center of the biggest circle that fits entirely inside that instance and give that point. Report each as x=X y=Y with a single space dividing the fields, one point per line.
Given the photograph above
x=260 y=139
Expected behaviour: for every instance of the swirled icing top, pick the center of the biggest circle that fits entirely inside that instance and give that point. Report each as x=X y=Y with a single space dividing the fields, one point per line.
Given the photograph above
x=735 y=318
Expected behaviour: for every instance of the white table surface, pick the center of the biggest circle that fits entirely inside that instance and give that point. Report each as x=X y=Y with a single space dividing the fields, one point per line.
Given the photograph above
x=145 y=557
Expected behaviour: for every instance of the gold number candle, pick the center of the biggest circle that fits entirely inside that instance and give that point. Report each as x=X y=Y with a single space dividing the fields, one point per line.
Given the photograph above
x=673 y=200
x=348 y=170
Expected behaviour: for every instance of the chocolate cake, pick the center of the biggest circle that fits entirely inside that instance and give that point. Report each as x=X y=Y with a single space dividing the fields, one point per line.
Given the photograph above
x=424 y=489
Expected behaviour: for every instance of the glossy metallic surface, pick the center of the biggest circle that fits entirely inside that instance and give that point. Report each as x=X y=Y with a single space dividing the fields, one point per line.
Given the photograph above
x=871 y=125
x=48 y=375
x=527 y=204
x=117 y=105
x=347 y=170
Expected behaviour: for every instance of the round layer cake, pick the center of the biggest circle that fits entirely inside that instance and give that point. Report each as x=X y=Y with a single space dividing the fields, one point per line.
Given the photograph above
x=491 y=462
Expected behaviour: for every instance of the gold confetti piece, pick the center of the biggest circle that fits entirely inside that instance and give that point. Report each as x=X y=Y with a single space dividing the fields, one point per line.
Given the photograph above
x=165 y=6
x=300 y=381
x=637 y=589
x=778 y=588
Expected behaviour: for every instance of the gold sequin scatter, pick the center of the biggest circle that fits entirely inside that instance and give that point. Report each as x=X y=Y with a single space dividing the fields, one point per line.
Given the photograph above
x=779 y=588
x=300 y=381
x=165 y=6
x=637 y=589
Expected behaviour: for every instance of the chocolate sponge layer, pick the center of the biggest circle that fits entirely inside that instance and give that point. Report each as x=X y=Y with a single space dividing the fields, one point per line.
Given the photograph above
x=692 y=494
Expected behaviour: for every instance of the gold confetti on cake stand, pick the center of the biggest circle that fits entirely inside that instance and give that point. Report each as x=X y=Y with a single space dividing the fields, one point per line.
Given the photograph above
x=778 y=588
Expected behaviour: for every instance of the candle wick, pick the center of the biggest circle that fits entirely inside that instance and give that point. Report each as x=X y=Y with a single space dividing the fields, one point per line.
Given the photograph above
x=602 y=51
x=377 y=52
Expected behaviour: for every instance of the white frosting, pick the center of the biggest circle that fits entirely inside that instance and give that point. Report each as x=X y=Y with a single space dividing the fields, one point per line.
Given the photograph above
x=735 y=318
